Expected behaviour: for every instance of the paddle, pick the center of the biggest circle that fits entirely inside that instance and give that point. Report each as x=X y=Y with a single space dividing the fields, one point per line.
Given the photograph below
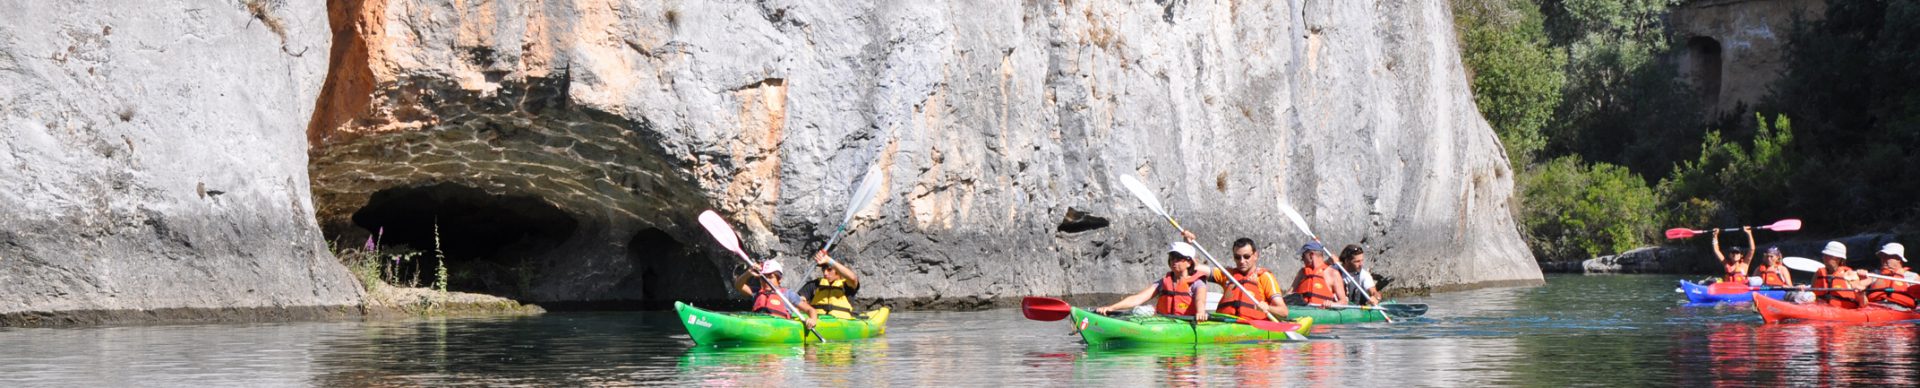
x=724 y=233
x=1890 y=278
x=1041 y=308
x=1259 y=324
x=1301 y=222
x=1786 y=225
x=1802 y=264
x=1146 y=196
x=869 y=186
x=1402 y=310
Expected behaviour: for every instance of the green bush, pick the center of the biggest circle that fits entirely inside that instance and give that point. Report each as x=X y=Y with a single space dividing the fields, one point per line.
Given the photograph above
x=1742 y=183
x=1572 y=210
x=1516 y=75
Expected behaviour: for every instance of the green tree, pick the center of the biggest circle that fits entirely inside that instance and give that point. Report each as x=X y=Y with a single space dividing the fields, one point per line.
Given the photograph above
x=1573 y=210
x=1516 y=74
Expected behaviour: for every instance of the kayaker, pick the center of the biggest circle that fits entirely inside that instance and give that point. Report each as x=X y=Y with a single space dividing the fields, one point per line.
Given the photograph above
x=834 y=290
x=766 y=292
x=1175 y=293
x=1735 y=260
x=1837 y=275
x=1893 y=259
x=1249 y=275
x=1315 y=283
x=1771 y=272
x=1354 y=259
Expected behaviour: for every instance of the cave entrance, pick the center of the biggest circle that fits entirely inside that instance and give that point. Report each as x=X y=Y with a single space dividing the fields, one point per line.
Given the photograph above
x=492 y=243
x=1703 y=67
x=669 y=270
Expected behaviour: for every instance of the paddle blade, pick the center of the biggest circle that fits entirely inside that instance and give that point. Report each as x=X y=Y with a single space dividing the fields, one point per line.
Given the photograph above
x=1041 y=308
x=1140 y=191
x=1679 y=233
x=1802 y=264
x=1298 y=221
x=869 y=186
x=1786 y=225
x=722 y=232
x=1725 y=288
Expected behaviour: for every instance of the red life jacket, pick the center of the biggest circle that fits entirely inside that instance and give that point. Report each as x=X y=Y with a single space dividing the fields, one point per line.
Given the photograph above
x=1234 y=302
x=1175 y=296
x=1878 y=292
x=1735 y=274
x=1312 y=286
x=766 y=300
x=1770 y=276
x=1845 y=299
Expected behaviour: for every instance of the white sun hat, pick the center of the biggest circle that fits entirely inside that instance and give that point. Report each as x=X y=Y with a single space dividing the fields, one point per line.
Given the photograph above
x=1896 y=250
x=1835 y=249
x=1181 y=248
x=769 y=266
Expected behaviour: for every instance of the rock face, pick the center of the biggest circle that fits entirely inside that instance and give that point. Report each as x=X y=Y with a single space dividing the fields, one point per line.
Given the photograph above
x=151 y=159
x=565 y=148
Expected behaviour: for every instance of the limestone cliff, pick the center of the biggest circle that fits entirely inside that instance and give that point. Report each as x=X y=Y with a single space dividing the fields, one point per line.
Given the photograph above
x=152 y=165
x=563 y=148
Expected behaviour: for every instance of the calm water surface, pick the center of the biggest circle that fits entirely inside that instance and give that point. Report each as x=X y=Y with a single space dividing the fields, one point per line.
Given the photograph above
x=1612 y=330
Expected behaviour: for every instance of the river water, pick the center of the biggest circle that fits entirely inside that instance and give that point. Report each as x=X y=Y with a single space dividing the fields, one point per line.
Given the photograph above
x=1603 y=330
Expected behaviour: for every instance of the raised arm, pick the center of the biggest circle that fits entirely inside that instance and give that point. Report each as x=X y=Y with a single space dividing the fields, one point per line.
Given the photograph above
x=740 y=283
x=1750 y=244
x=1717 y=256
x=822 y=258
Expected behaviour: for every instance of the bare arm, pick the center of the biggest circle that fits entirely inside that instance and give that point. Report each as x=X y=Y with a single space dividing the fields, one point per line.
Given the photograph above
x=822 y=258
x=1126 y=303
x=1717 y=256
x=1750 y=245
x=1200 y=301
x=740 y=283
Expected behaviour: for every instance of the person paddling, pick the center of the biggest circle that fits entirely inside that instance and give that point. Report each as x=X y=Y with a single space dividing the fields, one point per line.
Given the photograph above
x=1354 y=259
x=1315 y=283
x=1735 y=260
x=766 y=292
x=834 y=290
x=1771 y=272
x=1893 y=259
x=1837 y=275
x=1265 y=298
x=1176 y=292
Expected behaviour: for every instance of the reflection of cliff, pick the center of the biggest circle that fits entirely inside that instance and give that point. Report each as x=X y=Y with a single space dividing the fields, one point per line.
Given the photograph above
x=575 y=141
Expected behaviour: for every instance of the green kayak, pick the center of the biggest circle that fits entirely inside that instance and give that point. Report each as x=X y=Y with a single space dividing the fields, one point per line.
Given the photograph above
x=1336 y=316
x=710 y=327
x=1099 y=329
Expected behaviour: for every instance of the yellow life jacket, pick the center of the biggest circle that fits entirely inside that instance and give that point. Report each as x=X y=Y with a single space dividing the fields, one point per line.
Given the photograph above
x=831 y=296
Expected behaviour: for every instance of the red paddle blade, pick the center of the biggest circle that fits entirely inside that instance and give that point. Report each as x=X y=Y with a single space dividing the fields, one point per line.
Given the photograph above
x=1679 y=233
x=1786 y=225
x=1274 y=326
x=1041 y=308
x=1724 y=288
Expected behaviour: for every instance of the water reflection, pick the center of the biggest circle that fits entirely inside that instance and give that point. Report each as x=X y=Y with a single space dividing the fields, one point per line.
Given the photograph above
x=1804 y=353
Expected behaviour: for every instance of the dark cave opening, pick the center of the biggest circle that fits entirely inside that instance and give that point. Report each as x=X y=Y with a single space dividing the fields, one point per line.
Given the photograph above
x=669 y=270
x=492 y=243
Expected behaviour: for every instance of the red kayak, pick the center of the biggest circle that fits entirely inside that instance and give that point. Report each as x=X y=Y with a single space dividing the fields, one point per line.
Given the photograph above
x=1774 y=310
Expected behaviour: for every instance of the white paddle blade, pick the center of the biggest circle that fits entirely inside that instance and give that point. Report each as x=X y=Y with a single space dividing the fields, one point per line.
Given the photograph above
x=1802 y=264
x=721 y=231
x=1140 y=191
x=869 y=186
x=1298 y=221
x=1891 y=279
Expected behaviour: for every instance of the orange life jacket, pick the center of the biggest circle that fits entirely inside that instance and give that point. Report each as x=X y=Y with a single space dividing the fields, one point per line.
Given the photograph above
x=1311 y=286
x=1878 y=292
x=1234 y=302
x=1735 y=274
x=1175 y=295
x=1770 y=276
x=766 y=300
x=1845 y=299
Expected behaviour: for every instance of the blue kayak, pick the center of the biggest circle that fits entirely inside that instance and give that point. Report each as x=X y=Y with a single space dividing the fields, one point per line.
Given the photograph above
x=1698 y=293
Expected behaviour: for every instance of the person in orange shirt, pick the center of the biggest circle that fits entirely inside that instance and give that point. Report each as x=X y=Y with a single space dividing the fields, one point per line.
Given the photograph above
x=1837 y=275
x=1247 y=273
x=1318 y=283
x=1735 y=260
x=1893 y=259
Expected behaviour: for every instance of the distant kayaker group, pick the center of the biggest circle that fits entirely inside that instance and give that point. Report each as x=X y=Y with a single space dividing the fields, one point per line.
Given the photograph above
x=1835 y=292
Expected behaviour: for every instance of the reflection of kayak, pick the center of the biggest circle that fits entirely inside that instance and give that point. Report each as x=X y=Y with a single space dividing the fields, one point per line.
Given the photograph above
x=745 y=354
x=709 y=327
x=1099 y=329
x=1336 y=316
x=1773 y=310
x=1701 y=293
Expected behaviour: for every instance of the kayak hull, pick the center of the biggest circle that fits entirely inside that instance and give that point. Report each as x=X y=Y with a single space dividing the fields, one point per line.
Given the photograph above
x=1774 y=310
x=1336 y=316
x=1100 y=330
x=712 y=327
x=1701 y=293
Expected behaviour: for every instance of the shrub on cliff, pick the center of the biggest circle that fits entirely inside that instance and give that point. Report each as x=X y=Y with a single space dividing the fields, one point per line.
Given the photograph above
x=1516 y=75
x=1573 y=210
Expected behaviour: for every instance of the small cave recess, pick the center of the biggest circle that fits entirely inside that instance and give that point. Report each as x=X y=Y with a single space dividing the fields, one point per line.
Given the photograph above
x=492 y=243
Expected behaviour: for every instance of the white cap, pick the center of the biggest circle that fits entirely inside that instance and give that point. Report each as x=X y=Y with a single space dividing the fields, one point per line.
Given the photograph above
x=1835 y=249
x=769 y=266
x=1181 y=248
x=1896 y=250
